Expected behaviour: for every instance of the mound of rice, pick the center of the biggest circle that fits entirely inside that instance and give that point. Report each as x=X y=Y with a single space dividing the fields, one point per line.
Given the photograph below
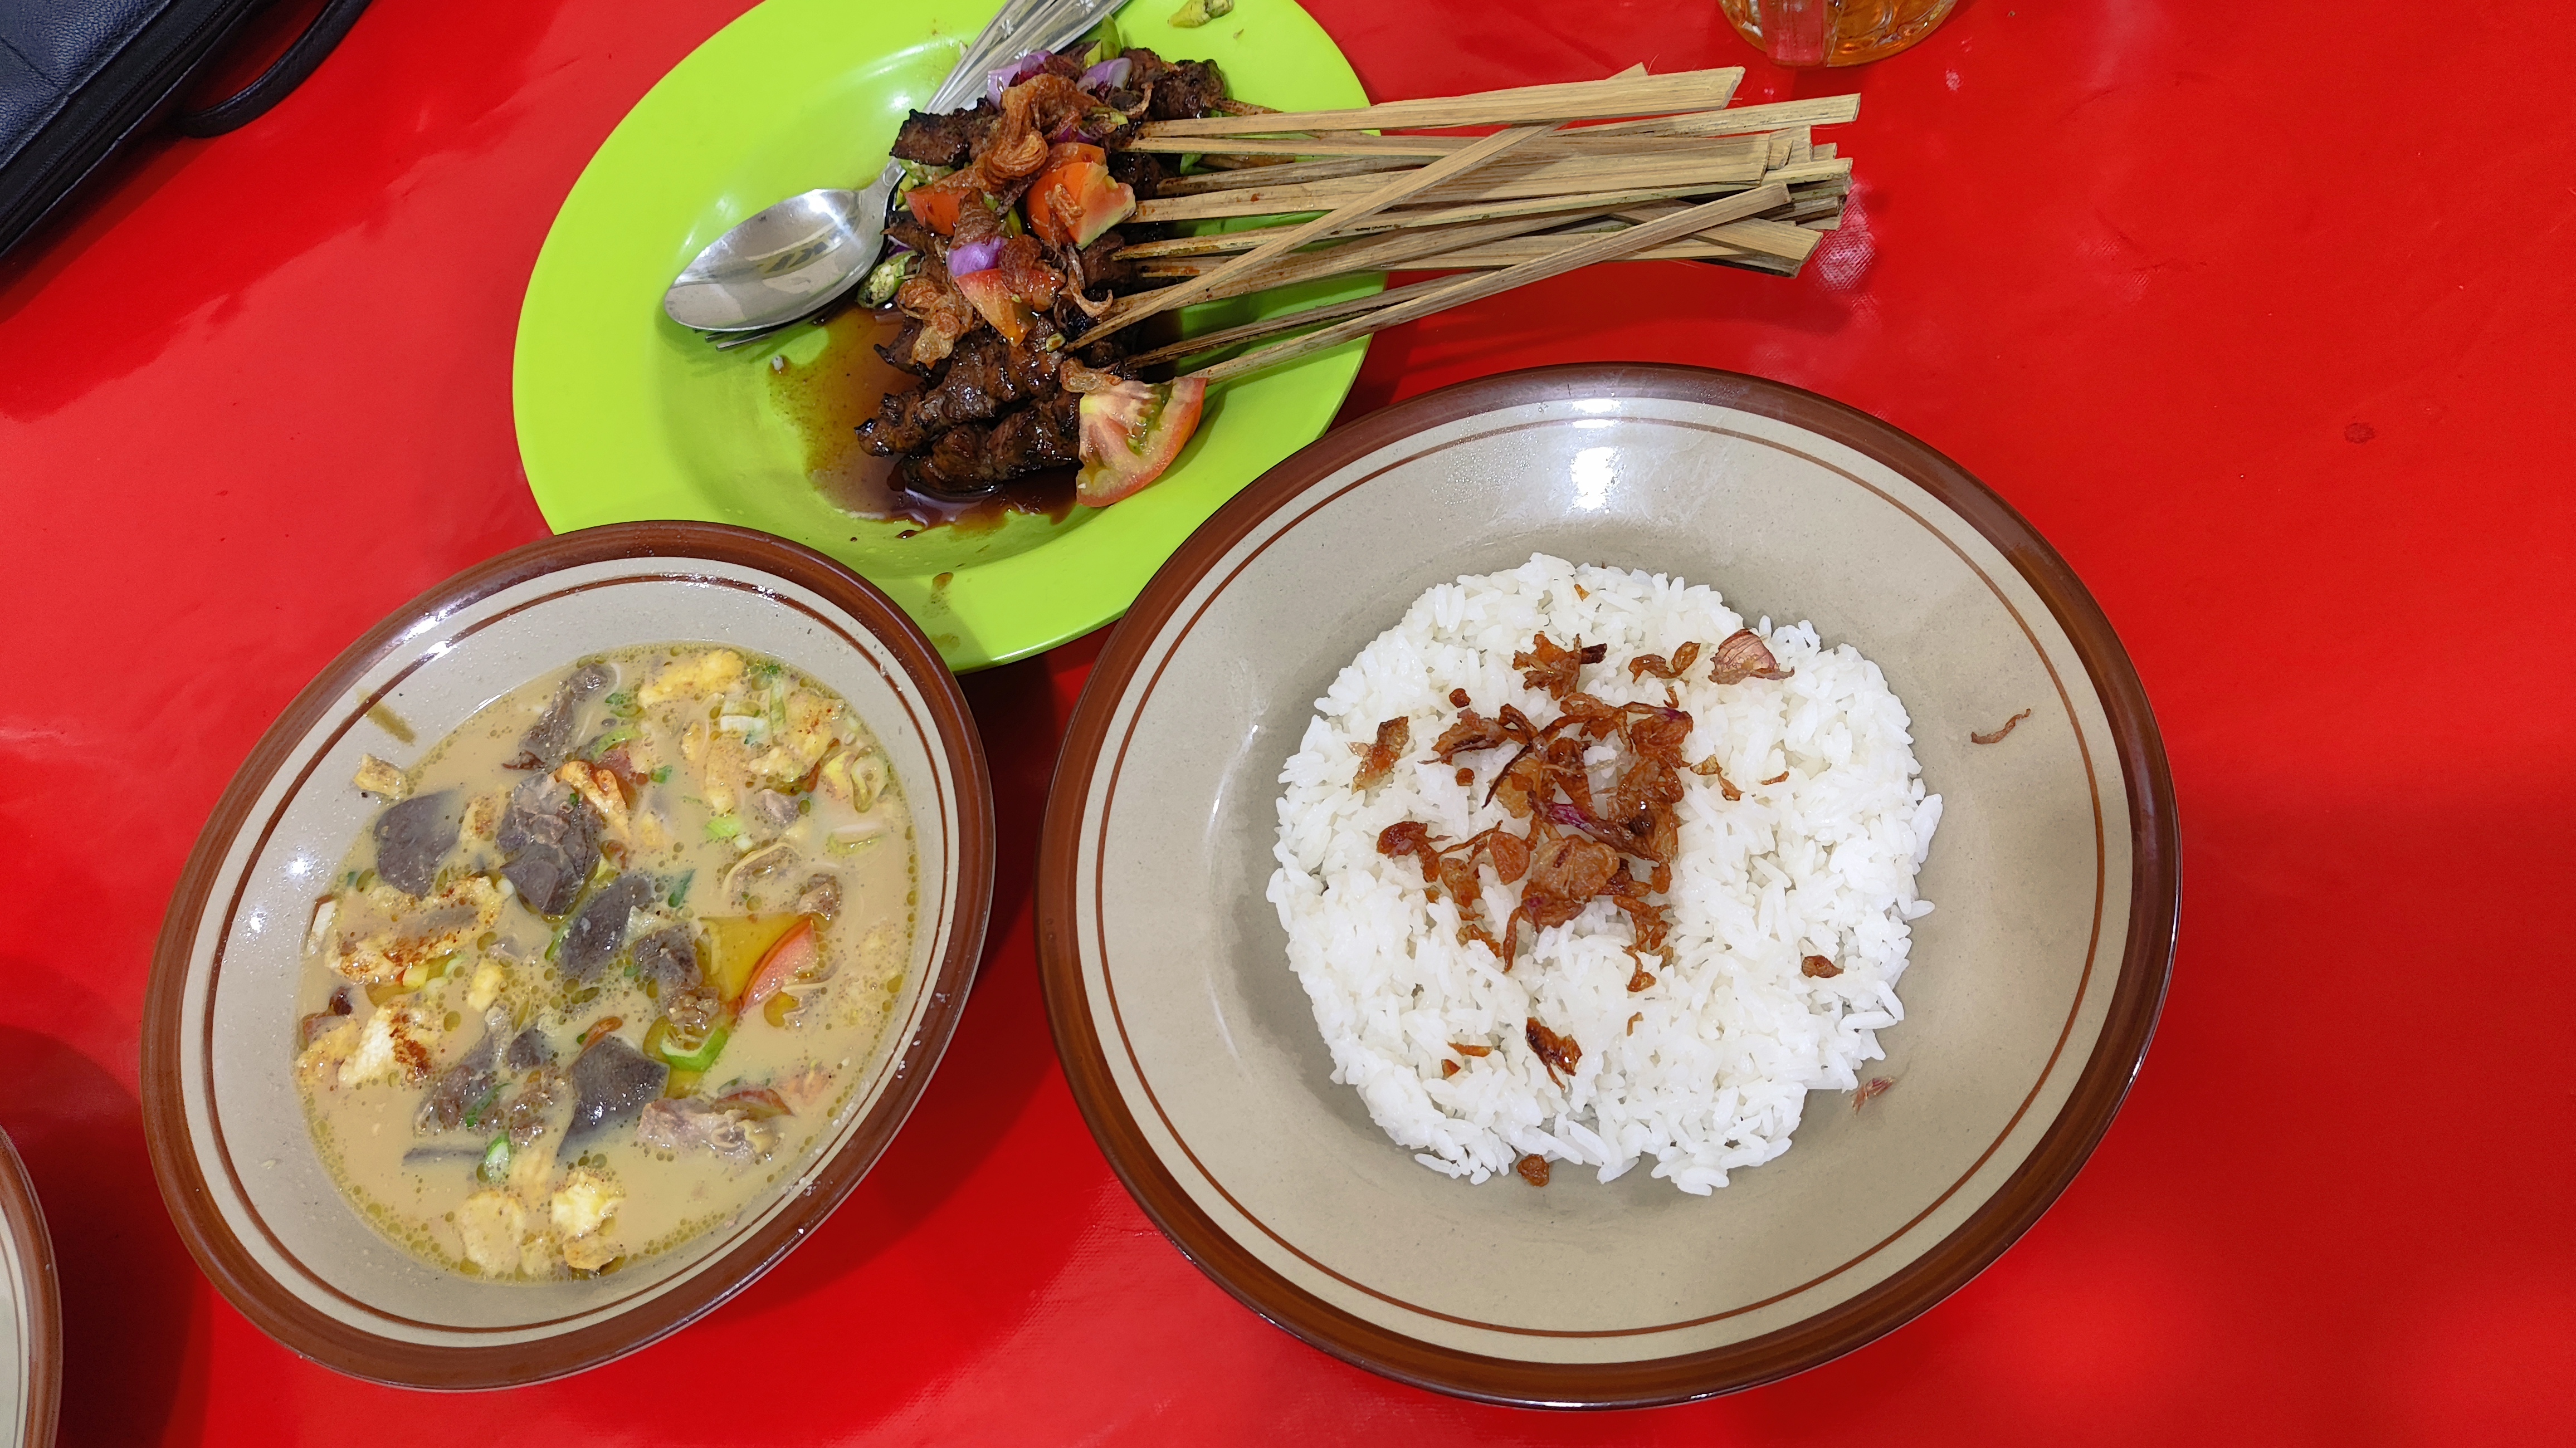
x=1732 y=1036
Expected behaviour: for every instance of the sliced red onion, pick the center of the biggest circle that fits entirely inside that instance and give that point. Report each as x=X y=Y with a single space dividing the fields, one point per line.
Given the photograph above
x=1072 y=131
x=974 y=256
x=1108 y=75
x=1012 y=74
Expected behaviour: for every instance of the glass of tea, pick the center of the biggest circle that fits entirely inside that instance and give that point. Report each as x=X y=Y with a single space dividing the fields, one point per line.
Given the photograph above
x=1834 y=32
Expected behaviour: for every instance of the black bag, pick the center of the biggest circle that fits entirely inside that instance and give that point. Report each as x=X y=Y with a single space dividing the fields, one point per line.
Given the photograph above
x=80 y=78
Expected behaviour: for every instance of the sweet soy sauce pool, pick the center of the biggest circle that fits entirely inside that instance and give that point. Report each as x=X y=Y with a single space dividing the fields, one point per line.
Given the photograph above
x=827 y=398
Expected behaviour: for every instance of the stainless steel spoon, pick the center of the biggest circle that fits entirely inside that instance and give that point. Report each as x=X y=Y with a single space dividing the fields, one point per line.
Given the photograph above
x=801 y=255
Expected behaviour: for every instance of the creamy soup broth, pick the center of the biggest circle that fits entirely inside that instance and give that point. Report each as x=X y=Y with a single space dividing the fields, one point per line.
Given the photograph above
x=608 y=962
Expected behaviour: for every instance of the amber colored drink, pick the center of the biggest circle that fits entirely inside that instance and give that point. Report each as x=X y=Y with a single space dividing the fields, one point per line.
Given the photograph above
x=1834 y=32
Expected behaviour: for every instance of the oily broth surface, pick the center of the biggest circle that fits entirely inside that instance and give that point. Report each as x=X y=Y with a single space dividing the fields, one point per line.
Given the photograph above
x=411 y=1182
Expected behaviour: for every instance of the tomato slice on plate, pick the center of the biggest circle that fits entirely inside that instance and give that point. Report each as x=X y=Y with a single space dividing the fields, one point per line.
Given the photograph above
x=1074 y=200
x=1131 y=433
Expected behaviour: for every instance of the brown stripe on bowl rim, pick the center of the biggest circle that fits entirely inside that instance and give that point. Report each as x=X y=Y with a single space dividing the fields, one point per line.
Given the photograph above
x=950 y=734
x=31 y=1252
x=2145 y=940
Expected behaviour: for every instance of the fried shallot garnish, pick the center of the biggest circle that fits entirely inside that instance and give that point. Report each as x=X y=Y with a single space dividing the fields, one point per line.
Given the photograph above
x=1655 y=664
x=1997 y=737
x=1744 y=656
x=1025 y=273
x=1580 y=844
x=1465 y=1049
x=1552 y=669
x=1560 y=1054
x=1411 y=837
x=1473 y=732
x=1876 y=1087
x=1565 y=873
x=943 y=311
x=1711 y=769
x=1817 y=967
x=1533 y=1169
x=1031 y=111
x=1377 y=760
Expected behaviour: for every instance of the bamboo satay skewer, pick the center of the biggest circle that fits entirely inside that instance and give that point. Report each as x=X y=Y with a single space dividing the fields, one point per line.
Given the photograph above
x=1693 y=90
x=1736 y=120
x=1378 y=198
x=1730 y=121
x=1392 y=252
x=1553 y=156
x=1538 y=179
x=1601 y=248
x=1412 y=250
x=1284 y=322
x=1767 y=236
x=1289 y=173
x=1410 y=219
x=1382 y=253
x=1345 y=143
x=1515 y=250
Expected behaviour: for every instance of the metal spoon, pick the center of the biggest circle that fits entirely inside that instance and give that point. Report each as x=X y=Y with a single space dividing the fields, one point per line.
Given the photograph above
x=802 y=254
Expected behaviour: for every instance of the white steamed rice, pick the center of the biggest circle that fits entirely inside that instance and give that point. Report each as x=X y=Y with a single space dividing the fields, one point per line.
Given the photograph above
x=1733 y=1036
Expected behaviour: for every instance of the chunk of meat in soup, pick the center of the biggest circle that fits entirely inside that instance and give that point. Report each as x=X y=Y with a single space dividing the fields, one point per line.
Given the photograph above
x=528 y=1050
x=549 y=838
x=413 y=836
x=457 y=1091
x=551 y=738
x=599 y=931
x=668 y=957
x=611 y=1081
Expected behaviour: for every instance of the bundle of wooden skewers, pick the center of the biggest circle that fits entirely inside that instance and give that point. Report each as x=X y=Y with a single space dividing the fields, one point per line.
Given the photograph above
x=1632 y=168
x=1012 y=222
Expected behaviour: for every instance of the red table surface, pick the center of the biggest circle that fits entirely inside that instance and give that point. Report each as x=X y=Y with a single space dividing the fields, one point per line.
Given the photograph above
x=2263 y=318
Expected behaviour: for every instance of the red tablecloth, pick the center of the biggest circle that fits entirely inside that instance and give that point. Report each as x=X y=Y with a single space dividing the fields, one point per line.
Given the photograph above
x=2261 y=313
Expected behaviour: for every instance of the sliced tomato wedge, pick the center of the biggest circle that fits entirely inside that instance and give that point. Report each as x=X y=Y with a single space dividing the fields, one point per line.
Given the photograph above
x=1074 y=200
x=935 y=205
x=1009 y=315
x=795 y=952
x=1131 y=433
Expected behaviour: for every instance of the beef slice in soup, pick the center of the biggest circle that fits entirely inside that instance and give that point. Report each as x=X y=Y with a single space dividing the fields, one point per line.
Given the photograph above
x=550 y=838
x=611 y=1081
x=528 y=1050
x=599 y=931
x=465 y=1089
x=668 y=957
x=550 y=739
x=414 y=836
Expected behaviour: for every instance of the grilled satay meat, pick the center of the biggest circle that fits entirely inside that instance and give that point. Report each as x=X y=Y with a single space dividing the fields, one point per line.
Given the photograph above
x=983 y=376
x=992 y=310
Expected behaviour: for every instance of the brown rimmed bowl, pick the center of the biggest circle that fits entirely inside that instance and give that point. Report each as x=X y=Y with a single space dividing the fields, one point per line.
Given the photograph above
x=31 y=1313
x=2034 y=985
x=236 y=1165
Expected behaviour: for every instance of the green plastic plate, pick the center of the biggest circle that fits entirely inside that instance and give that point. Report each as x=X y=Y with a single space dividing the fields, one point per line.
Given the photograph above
x=624 y=415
